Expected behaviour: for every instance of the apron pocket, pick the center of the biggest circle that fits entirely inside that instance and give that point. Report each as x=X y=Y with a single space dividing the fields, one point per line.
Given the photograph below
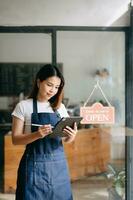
x=42 y=174
x=50 y=173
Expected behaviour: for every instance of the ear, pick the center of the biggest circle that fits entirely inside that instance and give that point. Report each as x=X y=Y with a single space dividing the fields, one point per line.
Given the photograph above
x=38 y=83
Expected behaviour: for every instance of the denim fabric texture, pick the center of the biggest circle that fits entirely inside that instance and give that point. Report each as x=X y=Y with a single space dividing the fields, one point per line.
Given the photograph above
x=43 y=171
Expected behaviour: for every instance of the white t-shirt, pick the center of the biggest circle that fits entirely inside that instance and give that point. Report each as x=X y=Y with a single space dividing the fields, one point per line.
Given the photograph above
x=24 y=109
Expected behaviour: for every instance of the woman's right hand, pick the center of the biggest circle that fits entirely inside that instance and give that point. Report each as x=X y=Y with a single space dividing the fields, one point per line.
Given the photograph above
x=44 y=130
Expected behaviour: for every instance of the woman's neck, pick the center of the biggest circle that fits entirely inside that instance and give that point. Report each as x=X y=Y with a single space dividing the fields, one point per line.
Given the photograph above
x=41 y=99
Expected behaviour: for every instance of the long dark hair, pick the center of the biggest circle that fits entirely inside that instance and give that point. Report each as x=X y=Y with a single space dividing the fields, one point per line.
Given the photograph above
x=44 y=73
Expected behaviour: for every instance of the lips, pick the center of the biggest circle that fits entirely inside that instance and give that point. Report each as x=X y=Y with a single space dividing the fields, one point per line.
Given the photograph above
x=49 y=94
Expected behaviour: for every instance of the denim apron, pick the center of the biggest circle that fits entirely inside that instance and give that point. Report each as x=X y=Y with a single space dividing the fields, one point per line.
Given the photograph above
x=43 y=172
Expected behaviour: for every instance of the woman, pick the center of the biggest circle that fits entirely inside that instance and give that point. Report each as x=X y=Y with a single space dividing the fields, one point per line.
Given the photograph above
x=42 y=173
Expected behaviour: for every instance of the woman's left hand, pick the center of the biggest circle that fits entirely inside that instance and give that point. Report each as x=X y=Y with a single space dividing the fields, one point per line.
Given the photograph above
x=70 y=132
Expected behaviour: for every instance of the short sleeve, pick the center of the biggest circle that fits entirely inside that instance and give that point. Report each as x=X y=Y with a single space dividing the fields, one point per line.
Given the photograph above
x=19 y=111
x=63 y=111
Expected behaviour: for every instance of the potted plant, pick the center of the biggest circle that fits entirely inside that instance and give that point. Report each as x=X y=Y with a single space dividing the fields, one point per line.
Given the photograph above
x=117 y=187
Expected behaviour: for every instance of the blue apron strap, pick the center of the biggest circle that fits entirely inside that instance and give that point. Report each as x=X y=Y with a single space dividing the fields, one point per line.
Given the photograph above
x=57 y=114
x=34 y=111
x=34 y=106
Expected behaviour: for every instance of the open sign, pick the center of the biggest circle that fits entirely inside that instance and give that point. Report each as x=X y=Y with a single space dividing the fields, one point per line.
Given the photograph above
x=97 y=114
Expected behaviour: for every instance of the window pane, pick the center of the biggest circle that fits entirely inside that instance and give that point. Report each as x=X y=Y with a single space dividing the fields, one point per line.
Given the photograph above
x=89 y=57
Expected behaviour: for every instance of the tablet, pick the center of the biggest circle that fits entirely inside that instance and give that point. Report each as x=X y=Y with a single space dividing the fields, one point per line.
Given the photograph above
x=65 y=121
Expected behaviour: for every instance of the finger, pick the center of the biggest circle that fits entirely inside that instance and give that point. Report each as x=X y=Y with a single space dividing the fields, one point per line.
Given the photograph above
x=42 y=129
x=68 y=132
x=48 y=130
x=75 y=126
x=45 y=127
x=68 y=128
x=73 y=131
x=45 y=130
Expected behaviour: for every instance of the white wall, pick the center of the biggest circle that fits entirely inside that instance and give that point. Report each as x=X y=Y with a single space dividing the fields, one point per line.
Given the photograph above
x=25 y=48
x=64 y=12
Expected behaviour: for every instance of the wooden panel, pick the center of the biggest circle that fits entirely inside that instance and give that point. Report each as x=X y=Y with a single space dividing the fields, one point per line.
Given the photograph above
x=87 y=155
x=12 y=156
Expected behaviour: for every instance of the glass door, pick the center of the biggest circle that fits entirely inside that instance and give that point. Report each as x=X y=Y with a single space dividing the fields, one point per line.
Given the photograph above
x=97 y=157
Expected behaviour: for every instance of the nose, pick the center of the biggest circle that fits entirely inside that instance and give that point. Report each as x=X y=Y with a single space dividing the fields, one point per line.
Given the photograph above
x=52 y=90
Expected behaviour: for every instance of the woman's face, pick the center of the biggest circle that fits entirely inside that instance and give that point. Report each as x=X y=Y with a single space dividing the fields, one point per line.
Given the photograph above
x=48 y=88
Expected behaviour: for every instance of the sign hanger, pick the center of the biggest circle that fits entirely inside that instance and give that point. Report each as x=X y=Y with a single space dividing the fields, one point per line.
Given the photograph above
x=97 y=113
x=97 y=86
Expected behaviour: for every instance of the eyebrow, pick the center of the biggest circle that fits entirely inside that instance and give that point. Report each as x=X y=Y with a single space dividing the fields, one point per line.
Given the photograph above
x=52 y=83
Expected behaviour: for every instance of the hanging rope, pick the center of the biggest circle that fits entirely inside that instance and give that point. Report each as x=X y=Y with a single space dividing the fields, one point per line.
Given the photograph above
x=97 y=86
